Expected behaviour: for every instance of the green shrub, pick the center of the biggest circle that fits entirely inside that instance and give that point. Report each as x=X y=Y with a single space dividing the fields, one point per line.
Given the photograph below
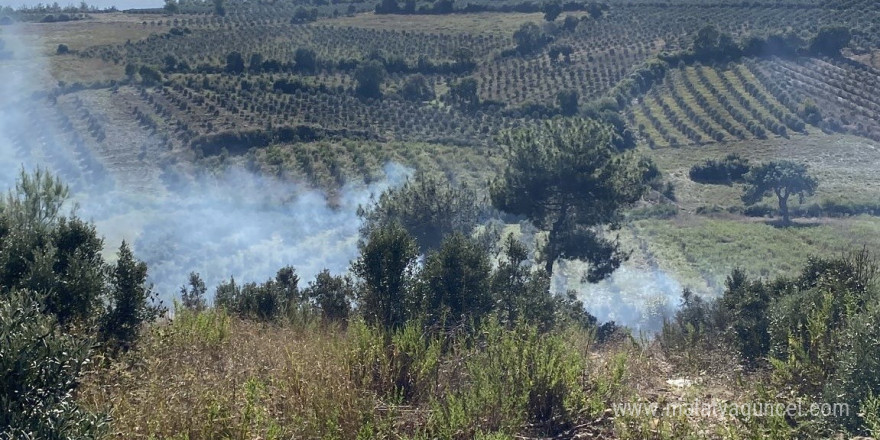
x=454 y=283
x=513 y=378
x=428 y=207
x=39 y=372
x=385 y=269
x=726 y=171
x=271 y=300
x=132 y=302
x=208 y=328
x=331 y=294
x=401 y=365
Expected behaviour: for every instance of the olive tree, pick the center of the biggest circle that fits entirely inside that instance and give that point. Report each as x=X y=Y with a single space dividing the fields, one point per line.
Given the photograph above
x=783 y=179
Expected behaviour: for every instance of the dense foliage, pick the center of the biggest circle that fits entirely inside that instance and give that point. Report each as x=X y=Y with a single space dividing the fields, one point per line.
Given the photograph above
x=811 y=331
x=570 y=178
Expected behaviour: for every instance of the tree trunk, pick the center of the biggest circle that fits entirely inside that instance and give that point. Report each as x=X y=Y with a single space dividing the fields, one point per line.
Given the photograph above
x=783 y=209
x=552 y=254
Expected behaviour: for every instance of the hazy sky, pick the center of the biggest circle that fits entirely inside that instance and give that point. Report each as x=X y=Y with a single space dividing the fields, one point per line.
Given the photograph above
x=121 y=4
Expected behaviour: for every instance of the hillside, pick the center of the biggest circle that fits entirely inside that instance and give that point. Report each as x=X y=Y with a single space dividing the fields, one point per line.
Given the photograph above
x=234 y=138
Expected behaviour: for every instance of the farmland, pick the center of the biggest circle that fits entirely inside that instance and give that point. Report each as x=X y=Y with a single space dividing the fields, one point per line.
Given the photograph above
x=150 y=97
x=479 y=219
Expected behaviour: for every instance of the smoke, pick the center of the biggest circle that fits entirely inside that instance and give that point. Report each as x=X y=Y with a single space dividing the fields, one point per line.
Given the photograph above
x=639 y=298
x=236 y=223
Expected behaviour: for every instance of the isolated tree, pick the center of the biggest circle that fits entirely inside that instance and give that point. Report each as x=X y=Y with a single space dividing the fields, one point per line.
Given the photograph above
x=810 y=112
x=193 y=296
x=464 y=93
x=369 y=76
x=385 y=269
x=234 y=63
x=428 y=207
x=129 y=302
x=305 y=60
x=62 y=49
x=551 y=10
x=569 y=179
x=464 y=59
x=830 y=40
x=255 y=64
x=150 y=76
x=570 y=23
x=783 y=179
x=568 y=102
x=456 y=283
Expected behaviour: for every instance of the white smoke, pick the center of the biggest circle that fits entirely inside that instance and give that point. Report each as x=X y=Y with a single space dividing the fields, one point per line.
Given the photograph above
x=639 y=298
x=236 y=224
x=244 y=225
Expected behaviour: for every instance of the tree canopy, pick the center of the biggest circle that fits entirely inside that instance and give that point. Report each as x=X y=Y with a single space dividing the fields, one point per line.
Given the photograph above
x=428 y=207
x=784 y=179
x=569 y=179
x=370 y=76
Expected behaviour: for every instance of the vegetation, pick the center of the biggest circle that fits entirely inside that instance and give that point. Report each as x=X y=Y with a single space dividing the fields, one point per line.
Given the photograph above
x=732 y=168
x=783 y=179
x=573 y=163
x=570 y=179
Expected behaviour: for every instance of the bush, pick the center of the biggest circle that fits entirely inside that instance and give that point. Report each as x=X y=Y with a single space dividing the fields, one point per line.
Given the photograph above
x=39 y=372
x=271 y=300
x=516 y=377
x=731 y=169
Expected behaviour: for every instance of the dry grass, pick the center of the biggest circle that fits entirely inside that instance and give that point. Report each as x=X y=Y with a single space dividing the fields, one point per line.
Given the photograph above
x=256 y=381
x=210 y=376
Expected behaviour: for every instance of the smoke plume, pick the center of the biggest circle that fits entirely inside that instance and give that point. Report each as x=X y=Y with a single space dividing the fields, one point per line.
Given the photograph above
x=234 y=224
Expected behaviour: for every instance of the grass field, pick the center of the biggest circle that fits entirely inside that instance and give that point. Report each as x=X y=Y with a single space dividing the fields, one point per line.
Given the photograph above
x=843 y=164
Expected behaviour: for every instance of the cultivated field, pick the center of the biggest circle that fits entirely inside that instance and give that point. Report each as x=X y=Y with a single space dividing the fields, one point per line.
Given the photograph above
x=302 y=120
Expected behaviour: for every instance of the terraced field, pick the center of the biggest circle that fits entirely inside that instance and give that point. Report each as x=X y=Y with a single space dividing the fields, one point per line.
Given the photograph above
x=699 y=104
x=284 y=117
